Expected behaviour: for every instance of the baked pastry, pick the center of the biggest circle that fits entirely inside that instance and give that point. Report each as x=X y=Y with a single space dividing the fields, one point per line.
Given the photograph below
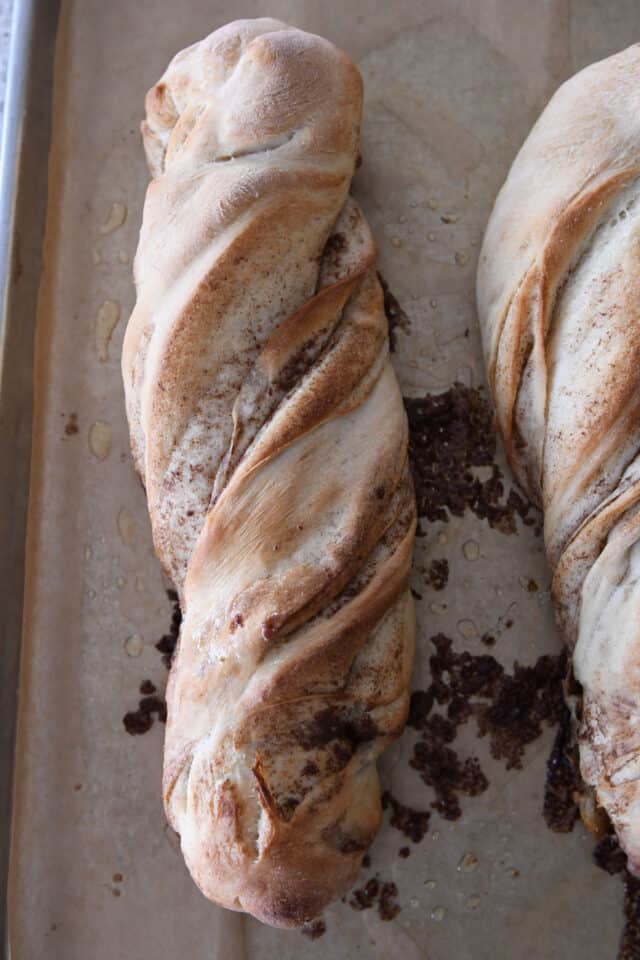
x=559 y=306
x=269 y=431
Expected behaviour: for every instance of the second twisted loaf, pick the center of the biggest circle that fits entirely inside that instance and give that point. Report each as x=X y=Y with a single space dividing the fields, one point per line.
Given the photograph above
x=559 y=304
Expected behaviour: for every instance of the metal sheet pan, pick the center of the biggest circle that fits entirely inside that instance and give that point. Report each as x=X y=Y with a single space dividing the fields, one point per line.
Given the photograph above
x=451 y=89
x=23 y=195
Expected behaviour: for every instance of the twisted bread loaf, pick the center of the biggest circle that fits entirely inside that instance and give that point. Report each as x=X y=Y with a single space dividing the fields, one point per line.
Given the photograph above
x=269 y=431
x=559 y=304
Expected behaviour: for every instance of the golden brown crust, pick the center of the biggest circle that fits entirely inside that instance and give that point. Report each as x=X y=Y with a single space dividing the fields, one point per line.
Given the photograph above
x=559 y=305
x=269 y=430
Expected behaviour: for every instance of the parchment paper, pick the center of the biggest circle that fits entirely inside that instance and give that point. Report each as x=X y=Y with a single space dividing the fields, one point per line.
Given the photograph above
x=451 y=90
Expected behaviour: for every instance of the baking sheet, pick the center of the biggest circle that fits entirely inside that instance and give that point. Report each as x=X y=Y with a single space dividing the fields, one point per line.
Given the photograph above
x=26 y=123
x=451 y=90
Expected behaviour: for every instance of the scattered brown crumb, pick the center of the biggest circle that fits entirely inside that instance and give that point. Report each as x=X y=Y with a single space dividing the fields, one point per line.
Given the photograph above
x=563 y=782
x=404 y=852
x=396 y=317
x=532 y=586
x=420 y=707
x=412 y=823
x=150 y=706
x=387 y=906
x=438 y=574
x=375 y=890
x=117 y=878
x=488 y=639
x=77 y=786
x=115 y=891
x=508 y=708
x=314 y=928
x=71 y=426
x=140 y=720
x=366 y=861
x=522 y=703
x=441 y=768
x=451 y=434
x=609 y=856
x=364 y=897
x=167 y=643
x=458 y=677
x=136 y=722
